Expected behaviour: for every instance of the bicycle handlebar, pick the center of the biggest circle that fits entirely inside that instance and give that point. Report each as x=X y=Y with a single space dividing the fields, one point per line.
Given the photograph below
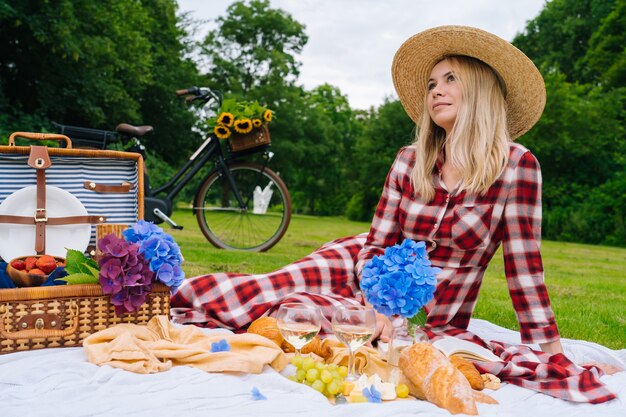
x=203 y=94
x=187 y=91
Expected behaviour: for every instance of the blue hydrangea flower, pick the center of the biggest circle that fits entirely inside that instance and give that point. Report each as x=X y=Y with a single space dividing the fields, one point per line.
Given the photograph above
x=401 y=281
x=160 y=250
x=221 y=346
x=256 y=394
x=372 y=394
x=141 y=231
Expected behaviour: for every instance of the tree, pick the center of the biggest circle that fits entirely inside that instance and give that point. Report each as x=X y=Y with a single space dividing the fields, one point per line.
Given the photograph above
x=605 y=60
x=385 y=130
x=559 y=37
x=253 y=47
x=94 y=64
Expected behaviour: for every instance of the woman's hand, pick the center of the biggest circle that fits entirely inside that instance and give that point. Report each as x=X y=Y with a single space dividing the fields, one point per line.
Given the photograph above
x=383 y=328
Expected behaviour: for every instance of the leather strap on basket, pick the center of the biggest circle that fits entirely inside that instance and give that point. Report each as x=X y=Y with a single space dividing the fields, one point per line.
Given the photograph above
x=44 y=325
x=107 y=188
x=40 y=160
x=53 y=221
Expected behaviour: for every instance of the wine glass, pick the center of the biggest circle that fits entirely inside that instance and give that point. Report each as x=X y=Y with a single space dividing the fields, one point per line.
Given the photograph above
x=298 y=323
x=354 y=326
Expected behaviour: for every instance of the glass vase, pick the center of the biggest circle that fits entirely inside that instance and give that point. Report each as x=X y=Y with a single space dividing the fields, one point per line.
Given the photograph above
x=404 y=334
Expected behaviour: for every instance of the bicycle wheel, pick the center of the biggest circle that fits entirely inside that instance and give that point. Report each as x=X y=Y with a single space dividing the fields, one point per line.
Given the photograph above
x=257 y=227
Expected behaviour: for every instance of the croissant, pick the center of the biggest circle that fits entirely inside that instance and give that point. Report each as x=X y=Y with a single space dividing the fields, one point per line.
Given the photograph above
x=442 y=384
x=267 y=327
x=470 y=372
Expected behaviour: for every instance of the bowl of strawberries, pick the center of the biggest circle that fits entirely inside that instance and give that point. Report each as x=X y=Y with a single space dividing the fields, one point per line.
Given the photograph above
x=32 y=271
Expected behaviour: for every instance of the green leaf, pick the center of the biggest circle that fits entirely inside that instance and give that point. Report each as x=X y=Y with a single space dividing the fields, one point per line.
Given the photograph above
x=420 y=318
x=73 y=260
x=79 y=278
x=80 y=268
x=94 y=271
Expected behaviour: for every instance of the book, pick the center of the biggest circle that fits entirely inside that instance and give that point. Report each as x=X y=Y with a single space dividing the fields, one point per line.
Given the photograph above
x=451 y=346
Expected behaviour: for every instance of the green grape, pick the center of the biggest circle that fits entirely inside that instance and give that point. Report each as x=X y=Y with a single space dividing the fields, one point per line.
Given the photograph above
x=326 y=376
x=332 y=366
x=343 y=371
x=307 y=383
x=300 y=375
x=312 y=374
x=335 y=374
x=320 y=365
x=308 y=363
x=339 y=383
x=292 y=378
x=297 y=361
x=333 y=387
x=318 y=385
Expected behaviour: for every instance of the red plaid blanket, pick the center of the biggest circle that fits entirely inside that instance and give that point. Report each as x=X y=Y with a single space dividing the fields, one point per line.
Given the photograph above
x=326 y=278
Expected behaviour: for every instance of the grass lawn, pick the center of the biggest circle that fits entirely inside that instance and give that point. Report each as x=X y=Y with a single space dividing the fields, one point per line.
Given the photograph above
x=587 y=284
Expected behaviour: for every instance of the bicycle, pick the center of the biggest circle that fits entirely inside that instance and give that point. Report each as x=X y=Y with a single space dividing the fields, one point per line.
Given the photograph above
x=238 y=205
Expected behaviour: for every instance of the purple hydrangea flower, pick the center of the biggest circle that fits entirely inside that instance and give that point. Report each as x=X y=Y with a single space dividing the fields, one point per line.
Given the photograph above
x=401 y=281
x=124 y=274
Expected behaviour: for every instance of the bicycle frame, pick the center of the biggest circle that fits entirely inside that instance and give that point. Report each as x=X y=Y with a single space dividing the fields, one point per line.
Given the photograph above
x=195 y=163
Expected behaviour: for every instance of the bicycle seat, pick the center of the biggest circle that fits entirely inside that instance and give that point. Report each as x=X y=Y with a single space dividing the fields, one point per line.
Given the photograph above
x=136 y=131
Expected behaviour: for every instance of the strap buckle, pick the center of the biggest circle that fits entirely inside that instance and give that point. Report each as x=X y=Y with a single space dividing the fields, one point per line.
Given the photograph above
x=38 y=215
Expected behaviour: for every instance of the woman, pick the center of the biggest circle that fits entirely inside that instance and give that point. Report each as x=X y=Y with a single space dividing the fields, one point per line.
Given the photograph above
x=464 y=186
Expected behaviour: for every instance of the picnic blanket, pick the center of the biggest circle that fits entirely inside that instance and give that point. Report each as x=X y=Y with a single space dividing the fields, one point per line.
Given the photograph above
x=326 y=278
x=61 y=382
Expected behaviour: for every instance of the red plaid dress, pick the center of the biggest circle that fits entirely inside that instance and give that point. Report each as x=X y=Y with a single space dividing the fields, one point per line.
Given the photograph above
x=463 y=232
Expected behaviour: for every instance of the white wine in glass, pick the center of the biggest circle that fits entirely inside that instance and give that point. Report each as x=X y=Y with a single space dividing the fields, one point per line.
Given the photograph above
x=298 y=323
x=354 y=326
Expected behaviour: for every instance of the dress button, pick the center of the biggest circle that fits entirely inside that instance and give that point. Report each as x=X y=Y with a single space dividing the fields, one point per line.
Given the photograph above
x=435 y=225
x=433 y=244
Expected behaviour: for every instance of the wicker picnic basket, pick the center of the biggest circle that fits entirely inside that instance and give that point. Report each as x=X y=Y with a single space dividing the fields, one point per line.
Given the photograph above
x=64 y=315
x=257 y=137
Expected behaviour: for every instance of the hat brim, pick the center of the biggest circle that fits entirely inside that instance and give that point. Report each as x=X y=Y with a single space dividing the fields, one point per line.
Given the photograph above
x=414 y=60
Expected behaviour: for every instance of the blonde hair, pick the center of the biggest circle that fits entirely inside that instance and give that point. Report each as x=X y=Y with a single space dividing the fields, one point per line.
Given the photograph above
x=479 y=139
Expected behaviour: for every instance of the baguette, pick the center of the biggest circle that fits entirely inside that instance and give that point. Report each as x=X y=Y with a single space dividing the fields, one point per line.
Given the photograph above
x=442 y=383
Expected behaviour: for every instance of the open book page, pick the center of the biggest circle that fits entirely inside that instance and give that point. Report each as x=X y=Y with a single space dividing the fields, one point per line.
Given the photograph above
x=451 y=346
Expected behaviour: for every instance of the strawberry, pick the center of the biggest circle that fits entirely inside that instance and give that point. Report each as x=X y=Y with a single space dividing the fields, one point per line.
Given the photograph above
x=46 y=263
x=19 y=264
x=30 y=262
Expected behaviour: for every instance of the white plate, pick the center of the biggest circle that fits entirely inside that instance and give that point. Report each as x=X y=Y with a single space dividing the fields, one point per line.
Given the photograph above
x=19 y=239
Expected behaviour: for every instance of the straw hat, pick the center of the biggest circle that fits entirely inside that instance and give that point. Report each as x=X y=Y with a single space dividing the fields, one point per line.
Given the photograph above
x=526 y=93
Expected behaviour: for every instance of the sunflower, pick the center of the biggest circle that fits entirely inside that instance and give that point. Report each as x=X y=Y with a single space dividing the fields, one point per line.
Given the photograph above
x=267 y=115
x=222 y=132
x=257 y=122
x=226 y=119
x=243 y=125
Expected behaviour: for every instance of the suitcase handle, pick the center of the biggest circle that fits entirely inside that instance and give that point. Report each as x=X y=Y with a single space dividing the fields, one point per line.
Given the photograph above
x=40 y=331
x=40 y=136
